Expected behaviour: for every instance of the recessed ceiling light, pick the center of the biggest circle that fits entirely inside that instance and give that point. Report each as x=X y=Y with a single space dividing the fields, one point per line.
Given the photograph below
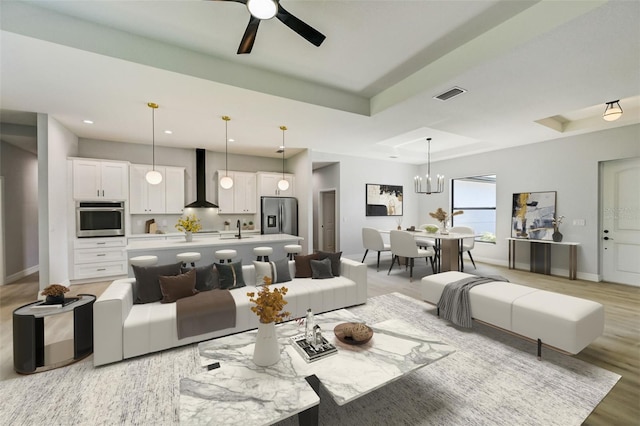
x=87 y=121
x=231 y=140
x=168 y=132
x=394 y=156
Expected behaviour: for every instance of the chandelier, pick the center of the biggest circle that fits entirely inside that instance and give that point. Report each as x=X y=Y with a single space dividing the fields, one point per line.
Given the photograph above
x=427 y=185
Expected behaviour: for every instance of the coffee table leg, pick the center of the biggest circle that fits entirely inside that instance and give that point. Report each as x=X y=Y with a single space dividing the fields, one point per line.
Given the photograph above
x=310 y=417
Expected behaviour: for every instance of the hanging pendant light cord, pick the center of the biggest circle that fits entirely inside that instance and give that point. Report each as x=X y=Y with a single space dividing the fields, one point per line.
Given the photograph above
x=429 y=157
x=226 y=144
x=283 y=128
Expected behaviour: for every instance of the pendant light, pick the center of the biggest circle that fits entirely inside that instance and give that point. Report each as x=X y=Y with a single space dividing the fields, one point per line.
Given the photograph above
x=613 y=111
x=425 y=185
x=283 y=184
x=226 y=182
x=153 y=176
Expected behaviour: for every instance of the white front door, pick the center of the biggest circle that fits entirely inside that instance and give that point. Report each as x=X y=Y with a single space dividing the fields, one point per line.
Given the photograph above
x=620 y=213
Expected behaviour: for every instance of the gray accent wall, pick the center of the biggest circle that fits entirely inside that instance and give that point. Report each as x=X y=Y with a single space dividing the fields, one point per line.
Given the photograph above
x=20 y=171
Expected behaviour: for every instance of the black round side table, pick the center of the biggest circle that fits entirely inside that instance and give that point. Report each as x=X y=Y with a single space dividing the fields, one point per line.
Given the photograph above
x=31 y=355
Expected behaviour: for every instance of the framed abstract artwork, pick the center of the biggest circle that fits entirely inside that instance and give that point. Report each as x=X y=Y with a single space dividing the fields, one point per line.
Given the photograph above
x=532 y=215
x=383 y=200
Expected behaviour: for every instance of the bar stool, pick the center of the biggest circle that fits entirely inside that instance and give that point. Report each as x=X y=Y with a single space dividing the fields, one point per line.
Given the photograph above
x=262 y=252
x=227 y=255
x=292 y=250
x=143 y=260
x=188 y=257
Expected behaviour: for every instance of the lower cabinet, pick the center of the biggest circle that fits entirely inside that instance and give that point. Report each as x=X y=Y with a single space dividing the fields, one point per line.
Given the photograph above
x=99 y=257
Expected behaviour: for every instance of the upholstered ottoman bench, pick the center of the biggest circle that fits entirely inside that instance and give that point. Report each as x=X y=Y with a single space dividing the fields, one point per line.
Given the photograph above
x=561 y=322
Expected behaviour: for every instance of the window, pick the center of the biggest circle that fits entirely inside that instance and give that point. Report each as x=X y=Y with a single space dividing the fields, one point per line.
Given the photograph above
x=476 y=196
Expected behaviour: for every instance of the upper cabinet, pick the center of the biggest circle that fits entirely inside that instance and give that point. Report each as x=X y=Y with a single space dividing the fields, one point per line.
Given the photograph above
x=241 y=197
x=99 y=180
x=268 y=185
x=167 y=197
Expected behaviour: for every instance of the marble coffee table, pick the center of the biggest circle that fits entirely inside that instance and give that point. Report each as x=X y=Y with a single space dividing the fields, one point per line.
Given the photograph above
x=239 y=392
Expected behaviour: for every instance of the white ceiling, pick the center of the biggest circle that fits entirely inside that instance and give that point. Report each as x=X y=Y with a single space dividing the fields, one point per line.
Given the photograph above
x=367 y=90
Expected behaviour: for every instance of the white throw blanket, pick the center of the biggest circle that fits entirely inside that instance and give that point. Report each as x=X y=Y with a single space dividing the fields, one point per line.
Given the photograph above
x=454 y=301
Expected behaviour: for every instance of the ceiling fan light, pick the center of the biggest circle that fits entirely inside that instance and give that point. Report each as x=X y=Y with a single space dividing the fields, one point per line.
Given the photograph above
x=226 y=182
x=154 y=177
x=262 y=9
x=283 y=184
x=613 y=111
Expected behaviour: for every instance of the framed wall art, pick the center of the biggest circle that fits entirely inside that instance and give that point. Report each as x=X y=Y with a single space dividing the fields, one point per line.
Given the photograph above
x=383 y=200
x=532 y=215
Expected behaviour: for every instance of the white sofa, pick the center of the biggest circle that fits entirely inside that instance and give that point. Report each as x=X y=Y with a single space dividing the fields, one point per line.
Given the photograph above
x=124 y=330
x=555 y=320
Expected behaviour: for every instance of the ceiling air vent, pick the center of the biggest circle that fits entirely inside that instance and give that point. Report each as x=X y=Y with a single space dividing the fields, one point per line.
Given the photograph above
x=455 y=91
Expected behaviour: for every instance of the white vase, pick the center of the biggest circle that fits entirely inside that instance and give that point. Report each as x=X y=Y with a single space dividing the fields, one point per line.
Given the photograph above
x=267 y=348
x=188 y=236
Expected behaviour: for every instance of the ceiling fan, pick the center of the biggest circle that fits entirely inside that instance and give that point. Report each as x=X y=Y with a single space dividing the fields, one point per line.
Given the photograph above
x=267 y=9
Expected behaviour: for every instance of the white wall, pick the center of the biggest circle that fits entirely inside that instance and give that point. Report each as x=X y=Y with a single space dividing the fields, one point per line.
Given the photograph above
x=300 y=165
x=55 y=144
x=325 y=179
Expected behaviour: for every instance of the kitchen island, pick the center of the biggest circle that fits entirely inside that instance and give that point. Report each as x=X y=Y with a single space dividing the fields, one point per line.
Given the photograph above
x=207 y=245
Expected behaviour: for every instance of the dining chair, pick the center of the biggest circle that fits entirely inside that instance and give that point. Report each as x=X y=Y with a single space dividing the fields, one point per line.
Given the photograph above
x=425 y=242
x=403 y=244
x=467 y=243
x=372 y=240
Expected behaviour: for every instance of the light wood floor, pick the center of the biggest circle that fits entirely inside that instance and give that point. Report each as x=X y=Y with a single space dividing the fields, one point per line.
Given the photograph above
x=618 y=350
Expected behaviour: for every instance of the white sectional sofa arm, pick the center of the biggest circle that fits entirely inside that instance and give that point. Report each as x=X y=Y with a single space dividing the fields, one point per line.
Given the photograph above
x=356 y=272
x=114 y=303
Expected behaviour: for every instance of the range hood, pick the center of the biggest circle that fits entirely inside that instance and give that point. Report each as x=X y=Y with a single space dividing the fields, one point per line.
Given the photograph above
x=201 y=181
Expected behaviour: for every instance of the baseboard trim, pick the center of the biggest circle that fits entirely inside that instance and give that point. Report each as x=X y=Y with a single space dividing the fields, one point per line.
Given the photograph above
x=21 y=274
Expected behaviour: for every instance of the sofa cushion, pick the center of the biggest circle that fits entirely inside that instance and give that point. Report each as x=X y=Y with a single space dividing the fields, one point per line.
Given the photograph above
x=321 y=269
x=147 y=285
x=178 y=286
x=206 y=277
x=230 y=275
x=278 y=271
x=303 y=265
x=335 y=261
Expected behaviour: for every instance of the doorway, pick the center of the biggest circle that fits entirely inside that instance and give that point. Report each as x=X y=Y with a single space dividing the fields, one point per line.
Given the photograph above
x=327 y=223
x=620 y=221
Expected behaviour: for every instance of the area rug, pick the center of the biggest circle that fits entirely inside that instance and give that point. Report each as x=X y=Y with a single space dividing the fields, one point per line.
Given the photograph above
x=492 y=379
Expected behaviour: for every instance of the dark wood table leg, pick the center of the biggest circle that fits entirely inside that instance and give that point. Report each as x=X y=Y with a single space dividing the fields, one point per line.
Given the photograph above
x=573 y=262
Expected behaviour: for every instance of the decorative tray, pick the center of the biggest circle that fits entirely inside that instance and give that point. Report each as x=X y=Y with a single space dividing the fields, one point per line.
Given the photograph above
x=339 y=331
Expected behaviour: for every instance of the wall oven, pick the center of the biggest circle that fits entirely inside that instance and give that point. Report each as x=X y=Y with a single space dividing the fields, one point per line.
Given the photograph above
x=99 y=219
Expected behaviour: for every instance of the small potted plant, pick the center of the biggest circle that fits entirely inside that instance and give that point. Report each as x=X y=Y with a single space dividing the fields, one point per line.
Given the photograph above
x=226 y=225
x=55 y=294
x=251 y=226
x=244 y=225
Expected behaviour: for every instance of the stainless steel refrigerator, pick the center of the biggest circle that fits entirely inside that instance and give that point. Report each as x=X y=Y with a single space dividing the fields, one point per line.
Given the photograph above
x=279 y=215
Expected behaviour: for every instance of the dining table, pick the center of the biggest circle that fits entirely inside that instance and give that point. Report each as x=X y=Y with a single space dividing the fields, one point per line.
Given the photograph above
x=447 y=247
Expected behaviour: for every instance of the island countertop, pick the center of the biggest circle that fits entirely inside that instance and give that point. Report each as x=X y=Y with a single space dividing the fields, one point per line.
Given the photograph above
x=207 y=245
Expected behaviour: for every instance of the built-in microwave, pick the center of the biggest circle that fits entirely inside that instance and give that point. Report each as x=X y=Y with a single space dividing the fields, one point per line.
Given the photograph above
x=99 y=219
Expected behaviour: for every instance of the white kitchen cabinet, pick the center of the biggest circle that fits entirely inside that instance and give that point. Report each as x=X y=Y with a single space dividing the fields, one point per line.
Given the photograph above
x=164 y=198
x=268 y=184
x=241 y=197
x=99 y=180
x=99 y=257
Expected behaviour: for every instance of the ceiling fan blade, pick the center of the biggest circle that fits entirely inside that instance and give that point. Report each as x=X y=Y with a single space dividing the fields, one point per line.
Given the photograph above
x=310 y=34
x=236 y=1
x=249 y=36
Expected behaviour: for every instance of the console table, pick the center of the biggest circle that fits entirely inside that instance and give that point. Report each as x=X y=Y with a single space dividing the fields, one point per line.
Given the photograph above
x=32 y=355
x=540 y=257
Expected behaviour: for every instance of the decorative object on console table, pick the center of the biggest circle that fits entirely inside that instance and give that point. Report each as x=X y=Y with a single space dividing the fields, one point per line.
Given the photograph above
x=189 y=225
x=269 y=306
x=557 y=236
x=444 y=217
x=55 y=294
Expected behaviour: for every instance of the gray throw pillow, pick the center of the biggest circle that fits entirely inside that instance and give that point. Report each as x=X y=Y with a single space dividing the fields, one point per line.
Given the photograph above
x=206 y=277
x=147 y=287
x=335 y=261
x=321 y=269
x=230 y=275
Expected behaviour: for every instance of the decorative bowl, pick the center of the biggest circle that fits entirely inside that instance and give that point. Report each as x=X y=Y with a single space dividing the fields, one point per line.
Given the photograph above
x=432 y=229
x=339 y=331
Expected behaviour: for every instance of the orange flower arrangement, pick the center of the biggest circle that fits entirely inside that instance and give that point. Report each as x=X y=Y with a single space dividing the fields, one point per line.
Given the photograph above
x=54 y=290
x=269 y=304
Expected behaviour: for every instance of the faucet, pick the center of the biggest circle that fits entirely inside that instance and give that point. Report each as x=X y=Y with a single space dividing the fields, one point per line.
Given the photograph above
x=238 y=235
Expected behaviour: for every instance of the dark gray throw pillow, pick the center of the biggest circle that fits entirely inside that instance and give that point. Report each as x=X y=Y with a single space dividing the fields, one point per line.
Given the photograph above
x=206 y=277
x=321 y=269
x=335 y=261
x=147 y=287
x=230 y=275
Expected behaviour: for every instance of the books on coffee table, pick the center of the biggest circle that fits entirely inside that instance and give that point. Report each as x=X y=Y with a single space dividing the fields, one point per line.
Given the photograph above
x=311 y=352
